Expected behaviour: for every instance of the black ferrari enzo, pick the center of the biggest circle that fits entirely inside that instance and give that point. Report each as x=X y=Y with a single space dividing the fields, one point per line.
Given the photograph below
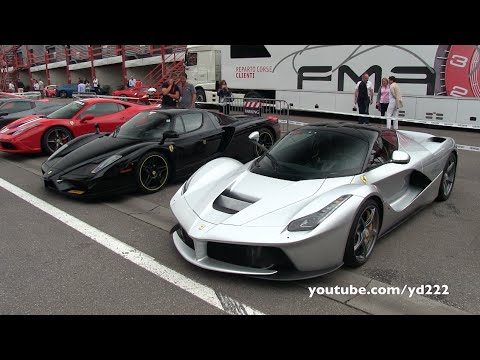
x=153 y=147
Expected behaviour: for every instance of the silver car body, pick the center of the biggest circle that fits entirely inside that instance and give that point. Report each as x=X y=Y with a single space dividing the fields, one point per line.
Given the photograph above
x=264 y=206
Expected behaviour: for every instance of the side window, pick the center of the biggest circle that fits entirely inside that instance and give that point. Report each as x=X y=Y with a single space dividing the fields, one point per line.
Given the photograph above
x=20 y=106
x=208 y=122
x=390 y=141
x=222 y=119
x=178 y=127
x=192 y=121
x=100 y=109
x=379 y=154
x=121 y=107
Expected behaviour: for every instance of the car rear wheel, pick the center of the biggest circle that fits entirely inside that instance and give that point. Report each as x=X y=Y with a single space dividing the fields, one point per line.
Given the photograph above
x=266 y=138
x=363 y=234
x=153 y=172
x=54 y=138
x=448 y=178
x=63 y=94
x=123 y=97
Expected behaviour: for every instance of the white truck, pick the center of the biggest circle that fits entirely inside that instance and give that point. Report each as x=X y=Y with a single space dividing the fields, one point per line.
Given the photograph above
x=439 y=82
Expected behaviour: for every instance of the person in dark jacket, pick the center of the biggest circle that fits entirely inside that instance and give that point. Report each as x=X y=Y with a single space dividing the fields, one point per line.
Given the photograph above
x=224 y=97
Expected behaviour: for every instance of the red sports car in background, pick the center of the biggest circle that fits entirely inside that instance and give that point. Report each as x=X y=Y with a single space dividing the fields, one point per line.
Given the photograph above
x=50 y=90
x=135 y=93
x=33 y=134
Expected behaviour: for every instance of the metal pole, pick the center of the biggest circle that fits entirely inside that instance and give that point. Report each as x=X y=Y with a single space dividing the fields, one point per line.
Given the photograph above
x=47 y=73
x=67 y=59
x=92 y=66
x=124 y=68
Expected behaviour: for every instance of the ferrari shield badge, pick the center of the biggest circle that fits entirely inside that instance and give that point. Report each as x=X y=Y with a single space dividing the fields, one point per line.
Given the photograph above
x=364 y=179
x=170 y=147
x=72 y=123
x=201 y=227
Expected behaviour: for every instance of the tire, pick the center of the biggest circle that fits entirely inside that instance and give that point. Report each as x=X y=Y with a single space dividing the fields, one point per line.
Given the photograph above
x=253 y=95
x=448 y=178
x=201 y=96
x=266 y=138
x=63 y=94
x=149 y=178
x=55 y=137
x=357 y=251
x=123 y=97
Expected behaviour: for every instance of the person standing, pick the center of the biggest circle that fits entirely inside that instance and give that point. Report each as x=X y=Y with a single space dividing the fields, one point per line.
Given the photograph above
x=131 y=82
x=188 y=94
x=95 y=85
x=170 y=94
x=383 y=97
x=224 y=97
x=81 y=87
x=11 y=87
x=395 y=103
x=36 y=86
x=20 y=86
x=41 y=88
x=363 y=96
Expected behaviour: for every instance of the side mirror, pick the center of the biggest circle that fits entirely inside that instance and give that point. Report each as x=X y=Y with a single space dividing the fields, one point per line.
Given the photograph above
x=170 y=134
x=254 y=136
x=87 y=117
x=400 y=157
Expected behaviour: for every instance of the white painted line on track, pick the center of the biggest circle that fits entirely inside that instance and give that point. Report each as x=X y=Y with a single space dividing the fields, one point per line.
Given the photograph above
x=459 y=147
x=205 y=293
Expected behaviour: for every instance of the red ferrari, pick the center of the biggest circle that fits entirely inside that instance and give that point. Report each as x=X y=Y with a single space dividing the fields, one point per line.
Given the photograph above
x=134 y=93
x=33 y=134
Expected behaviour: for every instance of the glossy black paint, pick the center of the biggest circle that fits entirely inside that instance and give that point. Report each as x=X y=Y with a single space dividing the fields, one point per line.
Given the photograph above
x=217 y=137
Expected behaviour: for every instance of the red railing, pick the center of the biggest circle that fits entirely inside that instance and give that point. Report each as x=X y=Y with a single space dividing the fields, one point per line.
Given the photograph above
x=172 y=57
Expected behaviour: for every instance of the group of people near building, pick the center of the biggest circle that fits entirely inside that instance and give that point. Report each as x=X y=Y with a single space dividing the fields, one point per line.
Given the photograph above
x=389 y=100
x=176 y=93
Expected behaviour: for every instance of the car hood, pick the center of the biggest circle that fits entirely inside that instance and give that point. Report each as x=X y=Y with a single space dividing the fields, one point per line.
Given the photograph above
x=258 y=195
x=94 y=150
x=19 y=123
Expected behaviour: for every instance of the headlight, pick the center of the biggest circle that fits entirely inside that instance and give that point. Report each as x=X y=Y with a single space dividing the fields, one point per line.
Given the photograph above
x=185 y=186
x=19 y=131
x=311 y=221
x=58 y=151
x=106 y=162
x=187 y=183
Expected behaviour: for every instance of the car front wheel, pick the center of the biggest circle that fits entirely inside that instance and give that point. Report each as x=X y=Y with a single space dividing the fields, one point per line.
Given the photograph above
x=54 y=138
x=153 y=171
x=448 y=178
x=363 y=234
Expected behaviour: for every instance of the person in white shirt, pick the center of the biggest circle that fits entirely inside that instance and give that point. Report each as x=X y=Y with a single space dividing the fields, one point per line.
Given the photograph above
x=36 y=86
x=11 y=87
x=363 y=96
x=131 y=82
x=95 y=85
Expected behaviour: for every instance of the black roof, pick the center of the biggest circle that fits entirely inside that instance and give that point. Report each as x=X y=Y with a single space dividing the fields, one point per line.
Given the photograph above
x=339 y=125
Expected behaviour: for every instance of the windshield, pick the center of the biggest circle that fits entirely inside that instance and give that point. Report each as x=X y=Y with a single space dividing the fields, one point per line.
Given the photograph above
x=147 y=125
x=316 y=153
x=67 y=111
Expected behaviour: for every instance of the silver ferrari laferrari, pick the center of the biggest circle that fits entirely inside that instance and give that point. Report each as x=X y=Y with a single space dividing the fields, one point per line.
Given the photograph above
x=318 y=199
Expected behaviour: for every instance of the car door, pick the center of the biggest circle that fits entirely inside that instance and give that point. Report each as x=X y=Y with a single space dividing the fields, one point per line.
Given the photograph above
x=199 y=140
x=393 y=180
x=106 y=114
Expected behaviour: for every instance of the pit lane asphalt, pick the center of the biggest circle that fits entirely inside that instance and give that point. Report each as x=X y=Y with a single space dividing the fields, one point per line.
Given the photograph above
x=53 y=269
